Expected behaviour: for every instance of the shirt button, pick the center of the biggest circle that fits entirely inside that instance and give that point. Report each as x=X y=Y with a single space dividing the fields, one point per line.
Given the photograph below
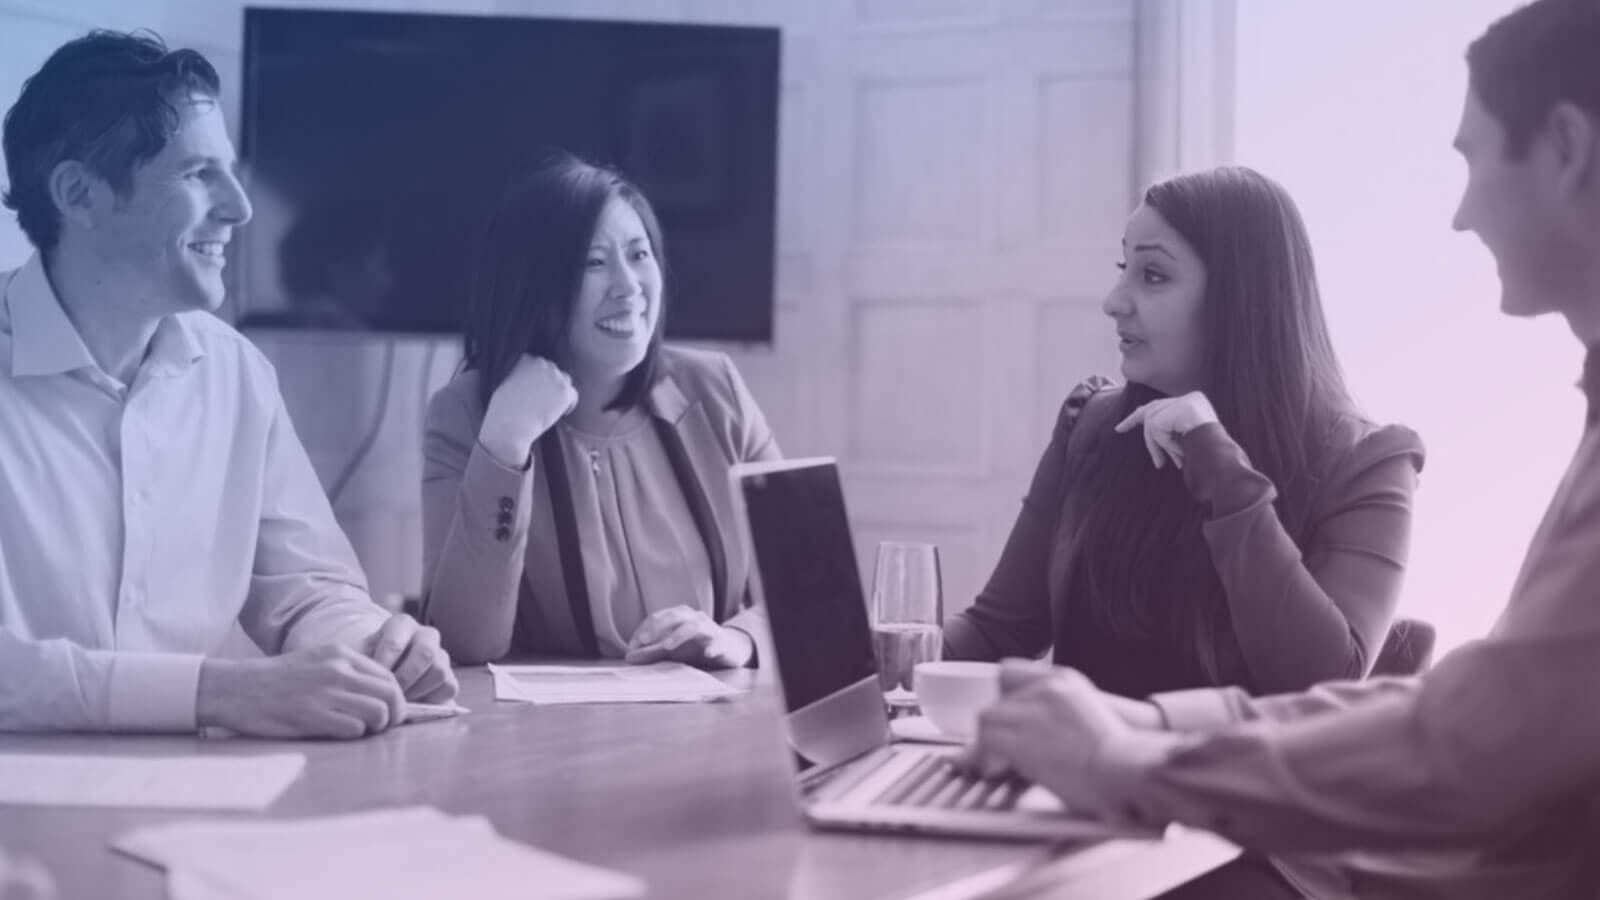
x=506 y=504
x=505 y=517
x=502 y=534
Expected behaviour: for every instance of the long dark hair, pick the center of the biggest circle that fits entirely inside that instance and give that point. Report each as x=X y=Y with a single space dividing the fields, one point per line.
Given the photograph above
x=529 y=264
x=1140 y=565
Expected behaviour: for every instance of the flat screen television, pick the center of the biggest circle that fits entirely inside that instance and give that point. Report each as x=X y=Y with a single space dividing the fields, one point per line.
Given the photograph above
x=374 y=145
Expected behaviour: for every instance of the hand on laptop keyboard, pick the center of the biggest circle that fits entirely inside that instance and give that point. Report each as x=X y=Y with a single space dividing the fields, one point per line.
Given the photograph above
x=935 y=781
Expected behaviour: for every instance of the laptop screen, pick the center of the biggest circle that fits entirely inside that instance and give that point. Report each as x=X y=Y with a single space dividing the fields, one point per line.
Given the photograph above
x=818 y=614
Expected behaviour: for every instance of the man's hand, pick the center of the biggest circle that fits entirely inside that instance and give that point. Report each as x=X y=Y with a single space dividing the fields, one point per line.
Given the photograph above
x=322 y=692
x=1050 y=731
x=412 y=652
x=685 y=634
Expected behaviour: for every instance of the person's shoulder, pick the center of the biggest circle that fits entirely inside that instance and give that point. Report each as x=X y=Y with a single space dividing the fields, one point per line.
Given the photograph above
x=223 y=343
x=1373 y=442
x=700 y=374
x=693 y=363
x=1090 y=396
x=1363 y=444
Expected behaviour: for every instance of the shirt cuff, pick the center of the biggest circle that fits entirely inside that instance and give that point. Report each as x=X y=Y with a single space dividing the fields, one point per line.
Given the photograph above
x=1200 y=709
x=1123 y=775
x=1217 y=472
x=754 y=626
x=154 y=691
x=495 y=499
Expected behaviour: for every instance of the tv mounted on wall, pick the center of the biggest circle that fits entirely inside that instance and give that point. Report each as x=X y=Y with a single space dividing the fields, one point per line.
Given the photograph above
x=375 y=143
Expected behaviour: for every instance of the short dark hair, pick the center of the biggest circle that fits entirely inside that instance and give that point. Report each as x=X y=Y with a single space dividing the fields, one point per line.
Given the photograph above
x=529 y=264
x=1544 y=53
x=106 y=100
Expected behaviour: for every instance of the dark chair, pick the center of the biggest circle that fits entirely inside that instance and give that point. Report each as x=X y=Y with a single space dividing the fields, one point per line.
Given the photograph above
x=1407 y=650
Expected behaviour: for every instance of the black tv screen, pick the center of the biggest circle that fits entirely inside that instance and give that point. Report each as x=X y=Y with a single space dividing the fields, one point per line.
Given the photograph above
x=375 y=143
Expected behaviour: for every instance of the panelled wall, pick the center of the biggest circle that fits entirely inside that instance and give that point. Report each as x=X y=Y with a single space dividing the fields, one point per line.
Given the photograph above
x=953 y=180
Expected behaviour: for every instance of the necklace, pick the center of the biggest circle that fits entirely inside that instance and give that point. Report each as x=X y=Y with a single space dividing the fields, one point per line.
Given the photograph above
x=594 y=452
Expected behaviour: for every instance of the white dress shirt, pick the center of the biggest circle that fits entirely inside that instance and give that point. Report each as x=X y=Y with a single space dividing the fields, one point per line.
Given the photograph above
x=140 y=522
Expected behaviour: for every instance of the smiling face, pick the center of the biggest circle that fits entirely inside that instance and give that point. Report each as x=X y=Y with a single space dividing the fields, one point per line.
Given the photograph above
x=164 y=238
x=619 y=298
x=1157 y=303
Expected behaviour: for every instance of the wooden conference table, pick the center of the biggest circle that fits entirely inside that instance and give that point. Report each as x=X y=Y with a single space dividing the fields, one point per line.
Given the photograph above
x=696 y=799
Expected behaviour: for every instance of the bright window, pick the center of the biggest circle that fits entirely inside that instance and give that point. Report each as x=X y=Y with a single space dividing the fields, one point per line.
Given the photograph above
x=1352 y=107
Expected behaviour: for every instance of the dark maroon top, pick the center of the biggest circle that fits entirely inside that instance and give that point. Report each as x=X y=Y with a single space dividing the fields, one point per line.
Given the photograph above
x=1305 y=607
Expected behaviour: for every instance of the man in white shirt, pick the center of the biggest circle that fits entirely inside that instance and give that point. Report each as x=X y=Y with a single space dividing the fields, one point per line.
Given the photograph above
x=153 y=494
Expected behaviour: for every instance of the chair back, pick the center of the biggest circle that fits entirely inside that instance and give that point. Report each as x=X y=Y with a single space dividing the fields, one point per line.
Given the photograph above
x=1408 y=650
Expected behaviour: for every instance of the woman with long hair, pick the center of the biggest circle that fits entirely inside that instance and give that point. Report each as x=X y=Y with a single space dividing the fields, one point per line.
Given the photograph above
x=1228 y=517
x=575 y=484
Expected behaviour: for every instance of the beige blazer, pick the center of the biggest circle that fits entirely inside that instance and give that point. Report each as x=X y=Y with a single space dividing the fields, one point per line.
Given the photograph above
x=484 y=587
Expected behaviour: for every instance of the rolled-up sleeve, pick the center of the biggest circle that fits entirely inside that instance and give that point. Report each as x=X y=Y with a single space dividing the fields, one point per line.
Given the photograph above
x=1495 y=733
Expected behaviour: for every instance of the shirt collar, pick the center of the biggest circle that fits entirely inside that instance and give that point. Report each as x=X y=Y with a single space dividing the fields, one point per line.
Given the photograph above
x=44 y=341
x=174 y=348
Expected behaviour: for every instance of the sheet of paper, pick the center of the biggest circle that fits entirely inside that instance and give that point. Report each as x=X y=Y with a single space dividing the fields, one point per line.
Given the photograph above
x=1109 y=870
x=427 y=712
x=176 y=782
x=395 y=854
x=664 y=682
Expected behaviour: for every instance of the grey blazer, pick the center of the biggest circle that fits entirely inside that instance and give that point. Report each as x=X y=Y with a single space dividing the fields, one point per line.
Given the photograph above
x=478 y=514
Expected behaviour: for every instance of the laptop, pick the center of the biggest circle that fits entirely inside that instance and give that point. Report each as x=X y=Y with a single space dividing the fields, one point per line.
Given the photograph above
x=852 y=773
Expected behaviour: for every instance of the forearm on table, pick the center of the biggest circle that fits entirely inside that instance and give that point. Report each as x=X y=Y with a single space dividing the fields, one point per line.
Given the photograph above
x=1213 y=709
x=56 y=685
x=1435 y=762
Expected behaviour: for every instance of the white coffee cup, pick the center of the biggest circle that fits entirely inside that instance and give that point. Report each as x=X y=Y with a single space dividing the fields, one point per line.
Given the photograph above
x=952 y=692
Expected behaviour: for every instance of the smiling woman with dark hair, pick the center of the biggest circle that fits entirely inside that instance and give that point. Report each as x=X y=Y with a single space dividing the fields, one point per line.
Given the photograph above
x=575 y=491
x=1228 y=517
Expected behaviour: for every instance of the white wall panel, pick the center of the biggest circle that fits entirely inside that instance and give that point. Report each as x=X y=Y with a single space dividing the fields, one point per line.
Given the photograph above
x=953 y=175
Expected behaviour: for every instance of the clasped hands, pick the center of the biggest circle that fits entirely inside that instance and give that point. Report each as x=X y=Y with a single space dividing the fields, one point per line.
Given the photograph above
x=328 y=691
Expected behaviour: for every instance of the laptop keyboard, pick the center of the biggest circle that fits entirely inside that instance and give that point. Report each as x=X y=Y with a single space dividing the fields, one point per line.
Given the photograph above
x=933 y=782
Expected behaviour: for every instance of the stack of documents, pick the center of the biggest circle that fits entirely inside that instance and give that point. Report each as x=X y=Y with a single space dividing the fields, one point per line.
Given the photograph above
x=663 y=682
x=395 y=854
x=173 y=782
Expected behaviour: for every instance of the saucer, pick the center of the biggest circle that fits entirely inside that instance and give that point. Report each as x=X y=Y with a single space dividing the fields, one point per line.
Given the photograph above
x=900 y=697
x=921 y=730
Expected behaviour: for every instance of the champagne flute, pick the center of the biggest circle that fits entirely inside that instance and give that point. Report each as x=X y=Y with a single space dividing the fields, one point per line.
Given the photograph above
x=907 y=614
